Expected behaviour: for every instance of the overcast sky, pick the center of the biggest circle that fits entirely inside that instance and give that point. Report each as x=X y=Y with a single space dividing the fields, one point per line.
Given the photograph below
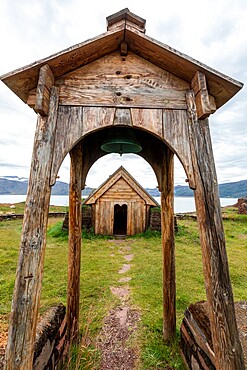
x=213 y=32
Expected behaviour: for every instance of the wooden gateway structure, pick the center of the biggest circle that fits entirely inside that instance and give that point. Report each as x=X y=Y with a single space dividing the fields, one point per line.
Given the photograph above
x=125 y=80
x=120 y=205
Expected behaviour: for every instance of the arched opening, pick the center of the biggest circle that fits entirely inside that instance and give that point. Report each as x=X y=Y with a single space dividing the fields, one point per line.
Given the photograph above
x=120 y=219
x=168 y=111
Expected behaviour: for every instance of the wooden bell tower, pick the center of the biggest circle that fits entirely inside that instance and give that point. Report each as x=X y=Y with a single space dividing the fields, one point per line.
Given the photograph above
x=122 y=78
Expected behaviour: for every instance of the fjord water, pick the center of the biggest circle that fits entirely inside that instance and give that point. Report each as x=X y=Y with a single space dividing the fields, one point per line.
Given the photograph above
x=181 y=204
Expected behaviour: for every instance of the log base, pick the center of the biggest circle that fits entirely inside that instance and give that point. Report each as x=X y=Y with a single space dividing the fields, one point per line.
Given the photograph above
x=196 y=341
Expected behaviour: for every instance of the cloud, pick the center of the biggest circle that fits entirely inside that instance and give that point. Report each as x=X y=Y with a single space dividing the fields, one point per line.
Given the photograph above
x=214 y=32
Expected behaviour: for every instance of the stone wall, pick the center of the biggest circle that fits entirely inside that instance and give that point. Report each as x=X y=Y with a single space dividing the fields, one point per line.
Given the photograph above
x=86 y=218
x=242 y=206
x=14 y=216
x=51 y=346
x=154 y=219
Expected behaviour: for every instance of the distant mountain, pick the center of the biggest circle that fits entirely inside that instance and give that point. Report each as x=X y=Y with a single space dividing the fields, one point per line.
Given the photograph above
x=233 y=189
x=18 y=185
x=153 y=192
x=228 y=190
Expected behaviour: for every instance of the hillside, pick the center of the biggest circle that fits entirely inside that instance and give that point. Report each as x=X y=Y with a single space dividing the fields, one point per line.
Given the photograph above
x=16 y=185
x=228 y=190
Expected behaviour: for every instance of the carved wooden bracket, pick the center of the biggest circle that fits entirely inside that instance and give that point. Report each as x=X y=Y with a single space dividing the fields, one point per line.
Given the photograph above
x=39 y=98
x=205 y=103
x=123 y=48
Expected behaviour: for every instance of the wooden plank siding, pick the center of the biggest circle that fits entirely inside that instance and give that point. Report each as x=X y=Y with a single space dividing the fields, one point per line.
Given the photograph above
x=122 y=193
x=75 y=122
x=116 y=81
x=120 y=189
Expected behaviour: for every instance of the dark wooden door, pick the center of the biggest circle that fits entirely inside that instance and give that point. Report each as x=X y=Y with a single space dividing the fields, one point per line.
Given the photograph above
x=120 y=219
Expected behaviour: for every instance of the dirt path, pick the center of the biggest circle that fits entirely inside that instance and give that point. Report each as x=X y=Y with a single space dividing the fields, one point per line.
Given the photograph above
x=114 y=341
x=3 y=338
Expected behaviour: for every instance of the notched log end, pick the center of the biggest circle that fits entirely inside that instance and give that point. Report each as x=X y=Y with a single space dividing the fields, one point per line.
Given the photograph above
x=205 y=103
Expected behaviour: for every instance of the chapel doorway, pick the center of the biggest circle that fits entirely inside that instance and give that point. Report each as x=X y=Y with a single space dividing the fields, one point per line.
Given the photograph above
x=120 y=219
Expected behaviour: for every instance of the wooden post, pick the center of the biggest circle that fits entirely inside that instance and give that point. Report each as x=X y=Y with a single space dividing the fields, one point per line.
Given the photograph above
x=74 y=258
x=168 y=247
x=226 y=343
x=26 y=299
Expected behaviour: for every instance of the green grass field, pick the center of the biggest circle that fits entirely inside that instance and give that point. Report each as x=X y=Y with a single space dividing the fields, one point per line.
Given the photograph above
x=101 y=261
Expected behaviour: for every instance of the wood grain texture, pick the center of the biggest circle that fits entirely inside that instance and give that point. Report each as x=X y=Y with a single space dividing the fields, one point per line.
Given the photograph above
x=103 y=217
x=24 y=79
x=125 y=177
x=148 y=119
x=220 y=86
x=97 y=117
x=116 y=81
x=126 y=16
x=176 y=135
x=45 y=82
x=69 y=131
x=120 y=189
x=26 y=299
x=122 y=117
x=74 y=256
x=199 y=86
x=73 y=123
x=227 y=347
x=168 y=247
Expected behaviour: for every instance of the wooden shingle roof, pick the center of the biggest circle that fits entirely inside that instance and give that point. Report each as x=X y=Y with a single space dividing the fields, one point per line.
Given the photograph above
x=118 y=174
x=126 y=27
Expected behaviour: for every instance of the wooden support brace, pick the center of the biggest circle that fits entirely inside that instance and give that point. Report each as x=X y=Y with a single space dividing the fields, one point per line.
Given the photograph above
x=205 y=104
x=31 y=100
x=168 y=247
x=26 y=299
x=74 y=258
x=226 y=343
x=45 y=82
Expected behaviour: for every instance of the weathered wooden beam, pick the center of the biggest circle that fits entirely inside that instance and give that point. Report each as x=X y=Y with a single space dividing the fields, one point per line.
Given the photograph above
x=31 y=100
x=168 y=247
x=45 y=82
x=129 y=82
x=212 y=103
x=26 y=299
x=125 y=16
x=176 y=135
x=122 y=117
x=227 y=347
x=149 y=119
x=124 y=48
x=74 y=258
x=199 y=85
